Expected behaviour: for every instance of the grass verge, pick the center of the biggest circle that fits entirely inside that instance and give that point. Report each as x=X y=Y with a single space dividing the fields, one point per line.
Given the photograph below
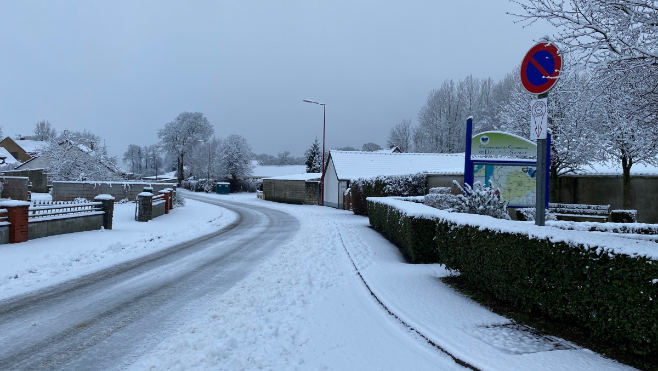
x=569 y=331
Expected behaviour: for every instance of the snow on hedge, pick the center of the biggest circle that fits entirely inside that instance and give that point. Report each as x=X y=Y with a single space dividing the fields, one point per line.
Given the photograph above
x=608 y=242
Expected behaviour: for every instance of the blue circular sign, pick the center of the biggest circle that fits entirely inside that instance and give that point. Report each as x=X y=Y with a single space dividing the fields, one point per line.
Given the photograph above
x=540 y=68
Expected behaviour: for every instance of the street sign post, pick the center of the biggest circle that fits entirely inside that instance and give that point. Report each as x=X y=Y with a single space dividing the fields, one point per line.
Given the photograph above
x=540 y=70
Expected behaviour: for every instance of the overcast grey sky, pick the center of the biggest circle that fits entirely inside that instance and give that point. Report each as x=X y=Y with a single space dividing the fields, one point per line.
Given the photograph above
x=122 y=69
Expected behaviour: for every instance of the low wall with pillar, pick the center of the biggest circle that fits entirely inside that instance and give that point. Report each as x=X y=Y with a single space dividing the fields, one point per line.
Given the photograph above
x=20 y=226
x=149 y=208
x=69 y=191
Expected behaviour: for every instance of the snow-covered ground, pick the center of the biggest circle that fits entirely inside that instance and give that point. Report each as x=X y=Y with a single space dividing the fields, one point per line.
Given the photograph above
x=46 y=261
x=306 y=308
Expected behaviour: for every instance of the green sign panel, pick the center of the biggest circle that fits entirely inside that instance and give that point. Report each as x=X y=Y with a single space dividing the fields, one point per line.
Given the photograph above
x=499 y=144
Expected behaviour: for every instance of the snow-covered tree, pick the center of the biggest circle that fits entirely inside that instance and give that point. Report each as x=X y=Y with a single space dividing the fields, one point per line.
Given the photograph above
x=234 y=155
x=72 y=159
x=570 y=107
x=401 y=136
x=203 y=159
x=314 y=158
x=627 y=128
x=183 y=134
x=620 y=34
x=43 y=131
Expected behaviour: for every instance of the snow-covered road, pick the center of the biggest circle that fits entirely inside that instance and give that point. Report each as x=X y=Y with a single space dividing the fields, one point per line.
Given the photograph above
x=106 y=319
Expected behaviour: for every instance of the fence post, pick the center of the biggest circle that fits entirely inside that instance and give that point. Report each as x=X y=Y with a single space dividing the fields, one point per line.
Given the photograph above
x=145 y=210
x=165 y=193
x=107 y=205
x=17 y=213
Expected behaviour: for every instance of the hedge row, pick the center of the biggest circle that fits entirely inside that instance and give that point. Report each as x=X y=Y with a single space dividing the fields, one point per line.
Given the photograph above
x=610 y=294
x=381 y=186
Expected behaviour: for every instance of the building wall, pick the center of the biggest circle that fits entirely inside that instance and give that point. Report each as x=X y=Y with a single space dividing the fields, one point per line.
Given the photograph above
x=69 y=191
x=14 y=187
x=11 y=146
x=292 y=191
x=37 y=178
x=331 y=186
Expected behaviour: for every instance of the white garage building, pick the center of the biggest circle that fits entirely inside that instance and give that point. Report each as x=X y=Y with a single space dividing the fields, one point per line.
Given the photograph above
x=344 y=166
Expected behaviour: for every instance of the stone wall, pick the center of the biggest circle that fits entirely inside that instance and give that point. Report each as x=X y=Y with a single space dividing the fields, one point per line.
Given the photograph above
x=43 y=228
x=37 y=178
x=69 y=191
x=292 y=191
x=14 y=187
x=608 y=190
x=158 y=209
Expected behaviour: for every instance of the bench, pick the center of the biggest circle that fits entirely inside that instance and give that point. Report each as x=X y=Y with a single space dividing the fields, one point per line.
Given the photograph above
x=569 y=211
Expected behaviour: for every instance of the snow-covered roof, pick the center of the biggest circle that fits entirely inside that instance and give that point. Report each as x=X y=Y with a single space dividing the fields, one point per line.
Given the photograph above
x=611 y=168
x=355 y=164
x=304 y=176
x=268 y=171
x=31 y=146
x=9 y=159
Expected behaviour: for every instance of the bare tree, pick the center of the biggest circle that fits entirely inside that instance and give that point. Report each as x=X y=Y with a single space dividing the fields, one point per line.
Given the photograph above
x=181 y=135
x=43 y=131
x=133 y=157
x=370 y=147
x=401 y=136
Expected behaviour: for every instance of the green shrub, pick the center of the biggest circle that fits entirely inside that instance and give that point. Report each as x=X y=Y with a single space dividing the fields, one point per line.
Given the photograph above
x=611 y=295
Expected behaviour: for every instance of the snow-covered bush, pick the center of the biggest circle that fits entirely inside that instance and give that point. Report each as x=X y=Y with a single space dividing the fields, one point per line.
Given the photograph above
x=530 y=214
x=481 y=200
x=383 y=186
x=441 y=198
x=205 y=185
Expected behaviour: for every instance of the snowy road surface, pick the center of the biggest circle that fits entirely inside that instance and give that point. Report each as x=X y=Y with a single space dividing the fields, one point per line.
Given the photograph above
x=105 y=319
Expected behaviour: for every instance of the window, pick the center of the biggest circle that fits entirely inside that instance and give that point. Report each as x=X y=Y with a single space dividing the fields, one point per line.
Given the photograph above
x=15 y=154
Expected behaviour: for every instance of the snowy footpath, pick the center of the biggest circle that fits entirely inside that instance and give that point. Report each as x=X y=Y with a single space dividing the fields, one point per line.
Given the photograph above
x=307 y=308
x=42 y=262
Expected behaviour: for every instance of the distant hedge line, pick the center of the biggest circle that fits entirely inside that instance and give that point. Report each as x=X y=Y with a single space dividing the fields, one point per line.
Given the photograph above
x=612 y=295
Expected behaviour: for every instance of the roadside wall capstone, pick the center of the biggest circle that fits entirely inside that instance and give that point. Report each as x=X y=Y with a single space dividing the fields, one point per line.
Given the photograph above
x=69 y=191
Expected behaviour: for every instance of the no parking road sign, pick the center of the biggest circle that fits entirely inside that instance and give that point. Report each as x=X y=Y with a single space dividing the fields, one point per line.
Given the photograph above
x=540 y=68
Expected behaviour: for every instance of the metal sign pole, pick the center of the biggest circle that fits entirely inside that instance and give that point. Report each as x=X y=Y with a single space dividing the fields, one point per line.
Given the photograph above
x=540 y=202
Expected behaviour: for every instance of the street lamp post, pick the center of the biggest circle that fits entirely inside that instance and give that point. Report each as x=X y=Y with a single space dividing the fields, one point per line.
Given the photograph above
x=209 y=145
x=324 y=127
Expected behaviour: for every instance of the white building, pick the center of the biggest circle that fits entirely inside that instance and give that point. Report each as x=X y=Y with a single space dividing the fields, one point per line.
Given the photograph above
x=344 y=166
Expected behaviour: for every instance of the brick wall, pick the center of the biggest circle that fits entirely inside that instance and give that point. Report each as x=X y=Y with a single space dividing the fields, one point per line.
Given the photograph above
x=69 y=191
x=37 y=177
x=14 y=187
